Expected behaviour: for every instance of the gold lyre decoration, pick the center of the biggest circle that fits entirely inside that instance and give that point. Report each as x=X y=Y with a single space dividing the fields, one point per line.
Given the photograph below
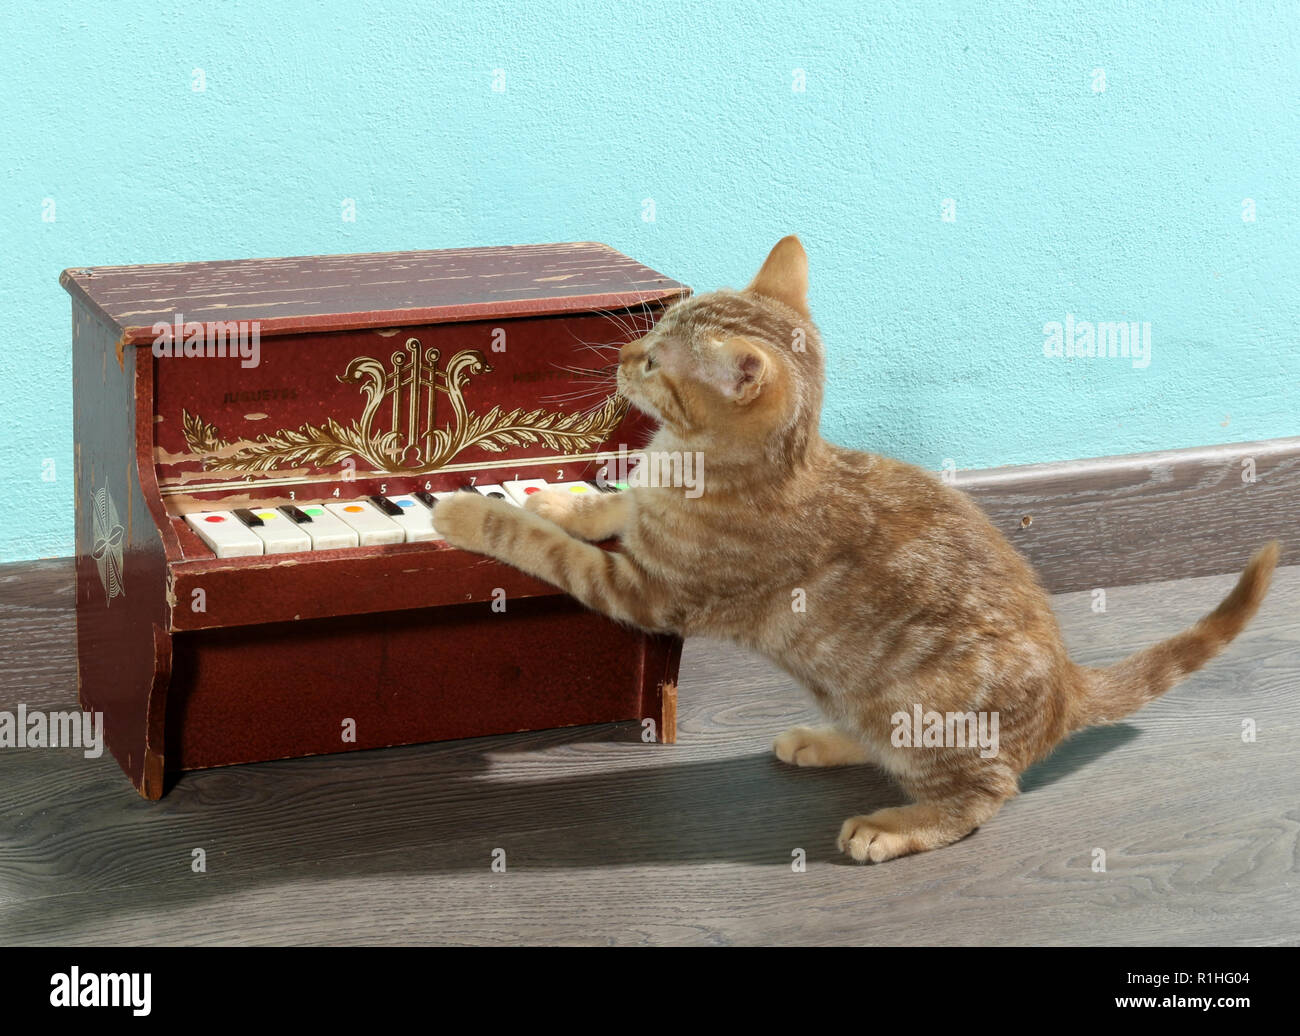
x=405 y=395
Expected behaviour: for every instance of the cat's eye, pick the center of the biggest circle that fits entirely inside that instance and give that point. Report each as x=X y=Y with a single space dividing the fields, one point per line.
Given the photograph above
x=650 y=363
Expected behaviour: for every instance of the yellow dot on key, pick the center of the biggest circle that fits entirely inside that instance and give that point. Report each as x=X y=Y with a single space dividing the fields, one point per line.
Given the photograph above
x=266 y=516
x=577 y=489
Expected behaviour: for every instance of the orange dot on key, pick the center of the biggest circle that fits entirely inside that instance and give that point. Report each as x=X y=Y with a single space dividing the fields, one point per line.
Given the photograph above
x=353 y=508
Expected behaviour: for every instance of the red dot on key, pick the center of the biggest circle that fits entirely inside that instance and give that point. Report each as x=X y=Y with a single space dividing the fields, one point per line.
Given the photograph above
x=214 y=518
x=530 y=490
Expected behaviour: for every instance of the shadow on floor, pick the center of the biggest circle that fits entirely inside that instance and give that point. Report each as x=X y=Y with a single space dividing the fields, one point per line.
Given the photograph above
x=1083 y=748
x=439 y=809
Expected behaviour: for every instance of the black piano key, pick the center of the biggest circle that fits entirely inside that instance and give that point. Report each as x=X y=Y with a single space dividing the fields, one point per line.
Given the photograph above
x=424 y=497
x=596 y=485
x=494 y=495
x=295 y=514
x=467 y=489
x=384 y=504
x=248 y=517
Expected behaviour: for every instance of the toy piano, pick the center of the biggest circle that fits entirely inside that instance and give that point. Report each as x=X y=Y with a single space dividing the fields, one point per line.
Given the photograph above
x=259 y=444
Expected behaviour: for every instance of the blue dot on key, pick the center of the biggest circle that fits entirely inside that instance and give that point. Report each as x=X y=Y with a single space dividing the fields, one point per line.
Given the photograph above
x=406 y=503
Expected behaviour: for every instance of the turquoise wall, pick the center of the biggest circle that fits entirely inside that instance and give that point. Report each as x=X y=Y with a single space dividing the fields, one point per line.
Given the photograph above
x=1117 y=204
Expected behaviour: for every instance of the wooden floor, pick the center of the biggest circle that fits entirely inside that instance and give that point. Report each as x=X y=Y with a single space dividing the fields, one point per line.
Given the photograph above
x=611 y=841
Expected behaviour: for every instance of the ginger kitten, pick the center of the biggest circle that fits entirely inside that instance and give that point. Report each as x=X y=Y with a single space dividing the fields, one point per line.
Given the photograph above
x=911 y=597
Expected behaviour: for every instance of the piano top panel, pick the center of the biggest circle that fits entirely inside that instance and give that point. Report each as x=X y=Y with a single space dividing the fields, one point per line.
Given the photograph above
x=324 y=293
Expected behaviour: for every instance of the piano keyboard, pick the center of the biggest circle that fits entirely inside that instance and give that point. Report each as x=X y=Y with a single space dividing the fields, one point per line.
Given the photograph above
x=339 y=524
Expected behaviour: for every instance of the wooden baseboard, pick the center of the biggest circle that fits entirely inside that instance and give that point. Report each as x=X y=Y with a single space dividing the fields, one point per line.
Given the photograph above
x=1137 y=518
x=1146 y=517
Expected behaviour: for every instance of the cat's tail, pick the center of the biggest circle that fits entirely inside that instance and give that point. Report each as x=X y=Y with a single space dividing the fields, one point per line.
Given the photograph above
x=1111 y=693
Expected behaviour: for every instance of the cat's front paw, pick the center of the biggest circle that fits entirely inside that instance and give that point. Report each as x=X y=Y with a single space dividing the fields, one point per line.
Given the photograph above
x=460 y=519
x=552 y=505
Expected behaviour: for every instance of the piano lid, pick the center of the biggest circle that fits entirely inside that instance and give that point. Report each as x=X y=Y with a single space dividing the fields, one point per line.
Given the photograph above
x=386 y=289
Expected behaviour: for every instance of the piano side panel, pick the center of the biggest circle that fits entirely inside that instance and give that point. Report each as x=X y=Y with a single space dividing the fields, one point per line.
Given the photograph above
x=123 y=647
x=285 y=689
x=662 y=656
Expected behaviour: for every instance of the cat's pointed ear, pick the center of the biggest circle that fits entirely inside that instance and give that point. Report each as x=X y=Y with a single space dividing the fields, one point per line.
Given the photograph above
x=742 y=370
x=784 y=275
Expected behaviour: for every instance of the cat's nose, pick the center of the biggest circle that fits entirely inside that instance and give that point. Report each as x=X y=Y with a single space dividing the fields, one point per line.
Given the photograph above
x=632 y=352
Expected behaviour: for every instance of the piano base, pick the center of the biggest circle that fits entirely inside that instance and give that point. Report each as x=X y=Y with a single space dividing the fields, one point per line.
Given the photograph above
x=279 y=690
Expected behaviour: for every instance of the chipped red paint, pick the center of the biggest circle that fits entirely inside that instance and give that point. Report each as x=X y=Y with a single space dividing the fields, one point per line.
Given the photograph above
x=402 y=639
x=388 y=289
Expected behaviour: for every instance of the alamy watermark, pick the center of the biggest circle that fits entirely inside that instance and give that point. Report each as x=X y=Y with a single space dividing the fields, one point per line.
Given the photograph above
x=236 y=339
x=36 y=729
x=922 y=728
x=659 y=468
x=73 y=988
x=1082 y=339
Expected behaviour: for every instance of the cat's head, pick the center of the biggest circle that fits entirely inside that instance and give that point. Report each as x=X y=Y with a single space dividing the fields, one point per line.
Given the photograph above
x=739 y=369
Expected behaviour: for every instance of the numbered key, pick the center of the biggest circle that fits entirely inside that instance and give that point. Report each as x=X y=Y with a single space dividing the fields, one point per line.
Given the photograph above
x=371 y=525
x=326 y=531
x=415 y=518
x=522 y=489
x=277 y=533
x=225 y=535
x=576 y=488
x=495 y=492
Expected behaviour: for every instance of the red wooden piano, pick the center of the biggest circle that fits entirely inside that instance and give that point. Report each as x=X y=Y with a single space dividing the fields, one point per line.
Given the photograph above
x=258 y=447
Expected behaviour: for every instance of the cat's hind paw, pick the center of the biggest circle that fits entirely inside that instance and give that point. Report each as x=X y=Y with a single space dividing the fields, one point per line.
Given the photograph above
x=867 y=842
x=917 y=828
x=818 y=746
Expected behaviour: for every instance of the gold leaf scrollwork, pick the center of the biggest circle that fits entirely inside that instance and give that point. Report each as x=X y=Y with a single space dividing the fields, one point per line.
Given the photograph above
x=406 y=394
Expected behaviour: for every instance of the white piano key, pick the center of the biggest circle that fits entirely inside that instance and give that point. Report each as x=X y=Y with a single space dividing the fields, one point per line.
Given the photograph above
x=608 y=487
x=371 y=525
x=326 y=531
x=635 y=461
x=416 y=520
x=224 y=534
x=521 y=490
x=498 y=492
x=428 y=509
x=440 y=496
x=576 y=488
x=277 y=533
